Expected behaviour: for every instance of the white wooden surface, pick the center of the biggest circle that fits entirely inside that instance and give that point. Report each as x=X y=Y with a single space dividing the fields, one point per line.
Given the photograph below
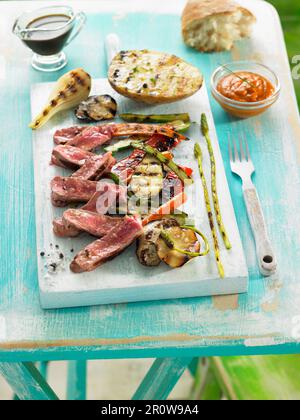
x=124 y=279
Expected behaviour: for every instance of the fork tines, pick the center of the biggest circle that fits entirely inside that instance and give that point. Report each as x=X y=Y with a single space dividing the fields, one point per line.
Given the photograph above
x=241 y=155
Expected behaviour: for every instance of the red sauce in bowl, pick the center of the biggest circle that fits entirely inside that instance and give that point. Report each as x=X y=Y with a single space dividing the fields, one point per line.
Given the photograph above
x=245 y=87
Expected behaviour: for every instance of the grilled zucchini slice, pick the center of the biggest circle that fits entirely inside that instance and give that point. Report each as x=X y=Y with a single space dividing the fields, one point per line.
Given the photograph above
x=153 y=77
x=184 y=239
x=147 y=180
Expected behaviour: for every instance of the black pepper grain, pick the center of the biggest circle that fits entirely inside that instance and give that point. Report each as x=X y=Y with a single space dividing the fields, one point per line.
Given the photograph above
x=53 y=265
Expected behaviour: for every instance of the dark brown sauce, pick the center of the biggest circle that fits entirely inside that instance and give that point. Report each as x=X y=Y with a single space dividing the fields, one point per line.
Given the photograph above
x=52 y=41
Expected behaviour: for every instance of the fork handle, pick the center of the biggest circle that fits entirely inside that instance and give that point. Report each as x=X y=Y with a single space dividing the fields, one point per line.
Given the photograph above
x=265 y=254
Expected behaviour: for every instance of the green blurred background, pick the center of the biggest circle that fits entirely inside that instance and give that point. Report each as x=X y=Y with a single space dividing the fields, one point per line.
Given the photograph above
x=289 y=11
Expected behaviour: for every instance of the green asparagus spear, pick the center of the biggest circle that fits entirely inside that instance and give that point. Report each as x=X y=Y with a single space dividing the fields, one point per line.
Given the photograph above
x=165 y=161
x=163 y=118
x=205 y=132
x=198 y=156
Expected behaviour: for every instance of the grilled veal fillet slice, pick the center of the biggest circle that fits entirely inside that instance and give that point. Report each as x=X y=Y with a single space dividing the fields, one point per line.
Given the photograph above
x=85 y=221
x=71 y=190
x=63 y=231
x=65 y=134
x=111 y=245
x=69 y=156
x=92 y=137
x=115 y=196
x=95 y=166
x=108 y=197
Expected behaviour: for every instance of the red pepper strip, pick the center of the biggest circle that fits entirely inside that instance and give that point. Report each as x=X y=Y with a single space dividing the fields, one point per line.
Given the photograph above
x=188 y=171
x=126 y=167
x=167 y=208
x=172 y=186
x=163 y=143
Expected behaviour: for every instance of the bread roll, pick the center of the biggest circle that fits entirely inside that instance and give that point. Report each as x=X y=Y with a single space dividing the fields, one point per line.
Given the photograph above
x=214 y=25
x=153 y=77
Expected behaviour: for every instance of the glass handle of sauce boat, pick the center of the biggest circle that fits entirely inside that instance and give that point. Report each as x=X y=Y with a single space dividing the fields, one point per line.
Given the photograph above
x=112 y=47
x=79 y=22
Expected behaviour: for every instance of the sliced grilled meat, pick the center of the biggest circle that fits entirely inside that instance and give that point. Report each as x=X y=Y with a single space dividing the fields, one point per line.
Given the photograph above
x=65 y=134
x=94 y=167
x=92 y=137
x=85 y=221
x=111 y=245
x=69 y=156
x=64 y=231
x=115 y=197
x=71 y=190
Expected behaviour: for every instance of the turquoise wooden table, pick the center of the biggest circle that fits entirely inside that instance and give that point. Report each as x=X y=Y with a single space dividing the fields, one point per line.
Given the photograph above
x=264 y=321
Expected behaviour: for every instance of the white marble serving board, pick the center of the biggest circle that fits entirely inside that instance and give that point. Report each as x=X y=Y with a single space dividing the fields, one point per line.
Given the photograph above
x=124 y=279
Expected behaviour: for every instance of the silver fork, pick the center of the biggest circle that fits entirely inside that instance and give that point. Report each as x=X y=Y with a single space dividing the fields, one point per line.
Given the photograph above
x=242 y=165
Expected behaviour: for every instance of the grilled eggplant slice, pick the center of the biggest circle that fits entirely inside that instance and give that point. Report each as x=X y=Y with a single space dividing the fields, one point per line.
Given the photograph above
x=97 y=108
x=183 y=239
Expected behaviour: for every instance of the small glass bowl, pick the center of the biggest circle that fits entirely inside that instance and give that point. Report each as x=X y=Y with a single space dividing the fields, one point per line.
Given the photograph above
x=245 y=109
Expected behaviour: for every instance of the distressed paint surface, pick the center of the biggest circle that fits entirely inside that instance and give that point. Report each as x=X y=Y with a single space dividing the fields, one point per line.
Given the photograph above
x=26 y=382
x=161 y=379
x=152 y=329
